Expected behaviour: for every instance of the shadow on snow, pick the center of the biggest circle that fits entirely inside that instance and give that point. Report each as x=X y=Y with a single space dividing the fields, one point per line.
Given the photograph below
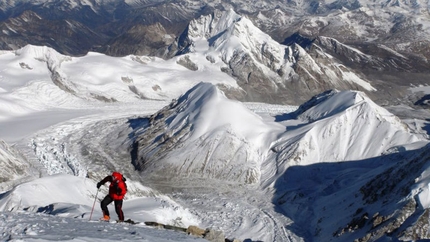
x=323 y=199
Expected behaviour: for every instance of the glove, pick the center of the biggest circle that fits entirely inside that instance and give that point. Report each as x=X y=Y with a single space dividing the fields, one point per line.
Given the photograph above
x=98 y=185
x=118 y=191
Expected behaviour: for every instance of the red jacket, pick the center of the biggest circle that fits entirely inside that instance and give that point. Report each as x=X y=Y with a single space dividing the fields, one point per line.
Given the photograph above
x=117 y=187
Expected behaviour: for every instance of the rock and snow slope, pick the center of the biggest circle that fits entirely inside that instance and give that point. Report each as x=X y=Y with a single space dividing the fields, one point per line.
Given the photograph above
x=394 y=32
x=261 y=65
x=230 y=139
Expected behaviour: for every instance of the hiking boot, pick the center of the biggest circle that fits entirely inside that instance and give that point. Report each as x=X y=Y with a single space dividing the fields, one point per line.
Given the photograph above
x=105 y=218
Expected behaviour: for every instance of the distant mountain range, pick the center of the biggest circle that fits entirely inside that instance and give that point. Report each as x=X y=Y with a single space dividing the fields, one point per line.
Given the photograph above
x=402 y=25
x=326 y=44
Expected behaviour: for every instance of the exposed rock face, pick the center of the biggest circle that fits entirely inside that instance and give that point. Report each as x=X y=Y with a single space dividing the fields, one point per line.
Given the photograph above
x=187 y=63
x=390 y=72
x=152 y=40
x=209 y=234
x=66 y=35
x=409 y=221
x=114 y=27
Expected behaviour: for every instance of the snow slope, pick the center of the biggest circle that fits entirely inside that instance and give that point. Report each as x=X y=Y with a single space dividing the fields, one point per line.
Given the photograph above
x=48 y=79
x=335 y=128
x=35 y=79
x=58 y=207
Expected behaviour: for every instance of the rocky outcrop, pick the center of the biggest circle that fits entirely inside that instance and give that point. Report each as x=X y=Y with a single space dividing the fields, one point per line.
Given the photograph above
x=65 y=35
x=208 y=234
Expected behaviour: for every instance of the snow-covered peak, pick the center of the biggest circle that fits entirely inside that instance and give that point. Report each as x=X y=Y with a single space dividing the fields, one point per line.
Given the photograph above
x=334 y=126
x=211 y=25
x=334 y=102
x=207 y=109
x=234 y=43
x=49 y=190
x=231 y=34
x=41 y=53
x=232 y=140
x=40 y=74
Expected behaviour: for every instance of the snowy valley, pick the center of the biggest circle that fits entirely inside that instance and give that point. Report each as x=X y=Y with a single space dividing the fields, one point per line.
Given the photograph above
x=339 y=167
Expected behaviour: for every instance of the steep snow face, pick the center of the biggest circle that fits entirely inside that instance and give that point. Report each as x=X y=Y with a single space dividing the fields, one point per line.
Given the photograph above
x=333 y=127
x=197 y=107
x=231 y=140
x=384 y=197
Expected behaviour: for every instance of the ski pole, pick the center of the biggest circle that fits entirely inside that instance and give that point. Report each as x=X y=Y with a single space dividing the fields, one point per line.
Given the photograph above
x=94 y=204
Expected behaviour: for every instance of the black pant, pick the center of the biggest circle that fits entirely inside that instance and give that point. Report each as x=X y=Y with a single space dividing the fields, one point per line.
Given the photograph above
x=118 y=207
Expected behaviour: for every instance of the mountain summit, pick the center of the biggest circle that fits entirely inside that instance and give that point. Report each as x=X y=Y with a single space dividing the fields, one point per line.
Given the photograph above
x=260 y=64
